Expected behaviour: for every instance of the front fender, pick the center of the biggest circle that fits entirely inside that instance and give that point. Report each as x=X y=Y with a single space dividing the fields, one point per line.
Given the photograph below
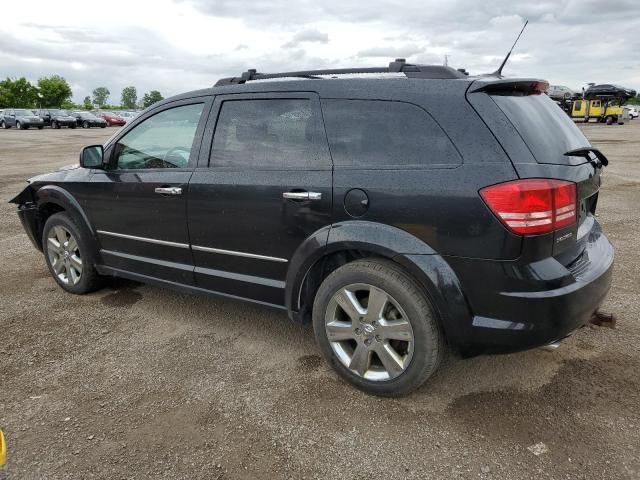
x=59 y=196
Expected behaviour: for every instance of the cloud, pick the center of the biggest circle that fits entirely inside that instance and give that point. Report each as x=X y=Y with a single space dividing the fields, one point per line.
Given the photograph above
x=189 y=44
x=391 y=52
x=310 y=35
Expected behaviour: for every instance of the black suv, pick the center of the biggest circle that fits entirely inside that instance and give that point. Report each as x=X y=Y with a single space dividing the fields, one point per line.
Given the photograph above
x=56 y=118
x=401 y=209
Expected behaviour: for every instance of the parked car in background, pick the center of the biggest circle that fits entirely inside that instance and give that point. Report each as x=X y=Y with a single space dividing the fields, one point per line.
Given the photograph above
x=633 y=111
x=128 y=116
x=56 y=118
x=88 y=119
x=111 y=118
x=21 y=118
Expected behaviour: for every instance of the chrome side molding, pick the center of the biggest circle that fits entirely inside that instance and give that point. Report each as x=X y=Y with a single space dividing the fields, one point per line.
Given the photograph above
x=143 y=239
x=194 y=247
x=238 y=254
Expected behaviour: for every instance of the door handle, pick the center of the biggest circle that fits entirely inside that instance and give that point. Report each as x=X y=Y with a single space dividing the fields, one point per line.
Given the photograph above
x=169 y=190
x=302 y=195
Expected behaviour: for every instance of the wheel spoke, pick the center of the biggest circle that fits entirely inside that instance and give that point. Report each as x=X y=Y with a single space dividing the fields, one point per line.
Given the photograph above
x=76 y=262
x=53 y=244
x=61 y=235
x=390 y=359
x=72 y=245
x=72 y=275
x=360 y=359
x=396 y=330
x=350 y=304
x=375 y=306
x=338 y=331
x=58 y=265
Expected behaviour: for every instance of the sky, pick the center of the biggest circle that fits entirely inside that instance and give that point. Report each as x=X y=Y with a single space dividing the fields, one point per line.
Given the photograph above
x=180 y=45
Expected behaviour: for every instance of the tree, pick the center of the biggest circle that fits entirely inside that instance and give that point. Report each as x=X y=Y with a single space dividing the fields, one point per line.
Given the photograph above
x=54 y=91
x=18 y=93
x=87 y=105
x=152 y=97
x=129 y=97
x=100 y=95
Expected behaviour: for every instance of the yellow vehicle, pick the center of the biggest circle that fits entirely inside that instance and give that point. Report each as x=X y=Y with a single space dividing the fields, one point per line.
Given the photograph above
x=597 y=110
x=3 y=449
x=602 y=103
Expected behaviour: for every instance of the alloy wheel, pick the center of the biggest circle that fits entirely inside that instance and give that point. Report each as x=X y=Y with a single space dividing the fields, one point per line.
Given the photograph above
x=369 y=332
x=64 y=255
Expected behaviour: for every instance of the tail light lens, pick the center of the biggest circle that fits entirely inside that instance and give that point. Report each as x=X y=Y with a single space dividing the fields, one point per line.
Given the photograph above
x=533 y=206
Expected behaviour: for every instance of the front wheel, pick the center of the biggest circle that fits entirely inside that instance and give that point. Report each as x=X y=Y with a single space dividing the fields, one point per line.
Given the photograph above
x=376 y=328
x=4 y=125
x=19 y=126
x=85 y=124
x=69 y=255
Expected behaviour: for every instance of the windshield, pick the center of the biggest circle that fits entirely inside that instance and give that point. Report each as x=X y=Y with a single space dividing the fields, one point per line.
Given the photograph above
x=545 y=128
x=23 y=112
x=60 y=112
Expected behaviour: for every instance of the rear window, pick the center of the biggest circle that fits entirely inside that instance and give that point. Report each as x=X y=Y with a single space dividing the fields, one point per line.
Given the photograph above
x=385 y=135
x=544 y=127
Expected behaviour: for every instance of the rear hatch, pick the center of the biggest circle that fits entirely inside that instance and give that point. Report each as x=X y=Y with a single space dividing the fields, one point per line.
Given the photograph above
x=543 y=142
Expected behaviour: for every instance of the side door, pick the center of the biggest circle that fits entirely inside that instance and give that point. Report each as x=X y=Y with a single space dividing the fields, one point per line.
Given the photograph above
x=138 y=204
x=10 y=117
x=262 y=186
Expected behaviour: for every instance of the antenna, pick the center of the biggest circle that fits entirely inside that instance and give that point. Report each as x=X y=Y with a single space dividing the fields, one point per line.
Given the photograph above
x=498 y=72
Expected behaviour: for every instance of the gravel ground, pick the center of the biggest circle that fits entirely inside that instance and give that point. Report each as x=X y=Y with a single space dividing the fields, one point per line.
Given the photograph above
x=135 y=382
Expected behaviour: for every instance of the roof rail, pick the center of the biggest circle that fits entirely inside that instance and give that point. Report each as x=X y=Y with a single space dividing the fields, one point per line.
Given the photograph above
x=399 y=65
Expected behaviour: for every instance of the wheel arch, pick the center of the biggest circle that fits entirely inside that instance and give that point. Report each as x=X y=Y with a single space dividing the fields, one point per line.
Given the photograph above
x=52 y=199
x=351 y=240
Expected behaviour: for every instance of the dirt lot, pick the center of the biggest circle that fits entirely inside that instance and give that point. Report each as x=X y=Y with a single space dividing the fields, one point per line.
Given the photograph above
x=136 y=382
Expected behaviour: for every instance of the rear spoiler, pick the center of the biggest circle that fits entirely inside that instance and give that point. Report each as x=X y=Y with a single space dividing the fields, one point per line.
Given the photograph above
x=511 y=86
x=585 y=151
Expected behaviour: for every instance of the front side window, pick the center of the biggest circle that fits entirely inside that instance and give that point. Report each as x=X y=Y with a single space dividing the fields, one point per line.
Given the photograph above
x=385 y=134
x=161 y=141
x=270 y=134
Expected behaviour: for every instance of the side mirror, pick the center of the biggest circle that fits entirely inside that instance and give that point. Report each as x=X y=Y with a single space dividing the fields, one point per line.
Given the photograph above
x=92 y=157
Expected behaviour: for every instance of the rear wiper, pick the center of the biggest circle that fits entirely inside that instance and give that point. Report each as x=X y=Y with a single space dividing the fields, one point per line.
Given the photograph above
x=601 y=160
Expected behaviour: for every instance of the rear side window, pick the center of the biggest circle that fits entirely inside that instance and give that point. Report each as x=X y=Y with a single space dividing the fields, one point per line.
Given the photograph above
x=270 y=134
x=385 y=134
x=544 y=127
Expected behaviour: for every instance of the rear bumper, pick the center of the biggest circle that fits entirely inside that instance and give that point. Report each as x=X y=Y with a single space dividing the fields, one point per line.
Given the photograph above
x=534 y=304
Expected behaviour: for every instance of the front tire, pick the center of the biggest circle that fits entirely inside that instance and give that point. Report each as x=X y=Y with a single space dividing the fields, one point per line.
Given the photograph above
x=85 y=124
x=69 y=255
x=4 y=125
x=19 y=126
x=376 y=328
x=55 y=125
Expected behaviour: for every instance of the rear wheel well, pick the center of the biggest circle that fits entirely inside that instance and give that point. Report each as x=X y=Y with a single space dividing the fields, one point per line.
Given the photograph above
x=322 y=269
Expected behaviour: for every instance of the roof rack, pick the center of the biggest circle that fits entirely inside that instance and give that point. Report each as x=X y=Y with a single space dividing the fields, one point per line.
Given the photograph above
x=399 y=65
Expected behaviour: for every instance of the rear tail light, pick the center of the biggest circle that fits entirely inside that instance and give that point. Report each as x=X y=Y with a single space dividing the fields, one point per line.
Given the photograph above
x=532 y=206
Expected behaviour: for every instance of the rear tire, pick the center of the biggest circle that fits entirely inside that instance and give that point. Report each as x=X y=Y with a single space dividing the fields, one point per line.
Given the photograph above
x=4 y=125
x=69 y=255
x=609 y=120
x=405 y=332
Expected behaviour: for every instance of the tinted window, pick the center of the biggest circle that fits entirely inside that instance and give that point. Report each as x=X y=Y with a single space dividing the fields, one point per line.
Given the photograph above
x=161 y=141
x=270 y=134
x=383 y=134
x=544 y=127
